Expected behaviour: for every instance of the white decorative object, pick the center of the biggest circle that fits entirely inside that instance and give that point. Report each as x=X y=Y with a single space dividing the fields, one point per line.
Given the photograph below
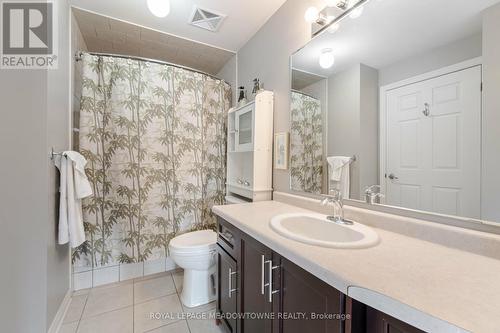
x=195 y=253
x=249 y=149
x=281 y=145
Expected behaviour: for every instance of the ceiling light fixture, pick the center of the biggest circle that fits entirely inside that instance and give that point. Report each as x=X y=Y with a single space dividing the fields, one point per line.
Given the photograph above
x=311 y=15
x=326 y=58
x=159 y=8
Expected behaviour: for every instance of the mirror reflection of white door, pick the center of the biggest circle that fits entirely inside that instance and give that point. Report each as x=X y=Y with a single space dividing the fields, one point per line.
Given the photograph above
x=433 y=157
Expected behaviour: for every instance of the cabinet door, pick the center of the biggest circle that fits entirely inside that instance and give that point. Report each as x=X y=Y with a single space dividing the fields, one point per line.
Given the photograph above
x=302 y=293
x=226 y=291
x=379 y=322
x=255 y=262
x=244 y=123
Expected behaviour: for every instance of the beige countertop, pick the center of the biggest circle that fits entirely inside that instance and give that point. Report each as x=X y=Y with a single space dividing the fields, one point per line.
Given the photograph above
x=431 y=286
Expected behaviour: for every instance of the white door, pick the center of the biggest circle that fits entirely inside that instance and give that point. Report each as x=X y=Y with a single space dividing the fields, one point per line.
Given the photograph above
x=433 y=144
x=244 y=122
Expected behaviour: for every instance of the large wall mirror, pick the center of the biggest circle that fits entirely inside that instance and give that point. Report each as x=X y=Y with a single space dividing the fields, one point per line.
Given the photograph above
x=394 y=97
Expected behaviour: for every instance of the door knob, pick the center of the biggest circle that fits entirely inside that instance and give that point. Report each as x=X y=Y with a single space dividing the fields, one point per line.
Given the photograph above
x=426 y=110
x=393 y=177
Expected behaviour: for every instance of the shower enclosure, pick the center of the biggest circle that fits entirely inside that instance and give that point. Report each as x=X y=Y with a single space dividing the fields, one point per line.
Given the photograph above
x=154 y=136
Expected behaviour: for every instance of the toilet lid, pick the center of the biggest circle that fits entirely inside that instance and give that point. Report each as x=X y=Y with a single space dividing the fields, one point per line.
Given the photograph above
x=194 y=240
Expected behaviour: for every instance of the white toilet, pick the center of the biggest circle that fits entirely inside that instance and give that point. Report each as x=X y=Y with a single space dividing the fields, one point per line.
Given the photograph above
x=195 y=253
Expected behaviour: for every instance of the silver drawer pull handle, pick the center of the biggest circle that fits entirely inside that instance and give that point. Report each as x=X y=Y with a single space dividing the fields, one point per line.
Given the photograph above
x=262 y=274
x=270 y=284
x=230 y=278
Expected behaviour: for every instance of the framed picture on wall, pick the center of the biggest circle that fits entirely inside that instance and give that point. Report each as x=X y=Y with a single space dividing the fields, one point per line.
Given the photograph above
x=281 y=149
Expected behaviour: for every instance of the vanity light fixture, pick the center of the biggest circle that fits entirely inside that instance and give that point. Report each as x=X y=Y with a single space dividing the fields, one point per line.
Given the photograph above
x=334 y=28
x=311 y=15
x=330 y=16
x=326 y=58
x=357 y=12
x=159 y=8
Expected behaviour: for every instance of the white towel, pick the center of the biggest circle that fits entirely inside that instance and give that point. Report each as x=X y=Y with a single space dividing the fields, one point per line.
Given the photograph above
x=339 y=174
x=74 y=186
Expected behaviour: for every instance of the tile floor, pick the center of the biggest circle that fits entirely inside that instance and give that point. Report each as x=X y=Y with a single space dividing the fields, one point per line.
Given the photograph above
x=129 y=306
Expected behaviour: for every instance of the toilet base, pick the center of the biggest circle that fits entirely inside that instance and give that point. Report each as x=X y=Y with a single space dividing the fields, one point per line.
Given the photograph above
x=199 y=287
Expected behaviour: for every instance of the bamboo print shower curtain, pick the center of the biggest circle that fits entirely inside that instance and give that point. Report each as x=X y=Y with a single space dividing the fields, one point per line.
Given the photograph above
x=154 y=137
x=306 y=143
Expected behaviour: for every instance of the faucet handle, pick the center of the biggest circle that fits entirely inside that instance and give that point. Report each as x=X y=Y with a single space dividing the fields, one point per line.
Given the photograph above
x=335 y=194
x=370 y=189
x=371 y=195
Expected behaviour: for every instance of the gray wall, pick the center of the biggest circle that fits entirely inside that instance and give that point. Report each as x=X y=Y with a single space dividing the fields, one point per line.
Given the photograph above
x=490 y=194
x=440 y=57
x=266 y=56
x=343 y=120
x=36 y=271
x=23 y=200
x=229 y=74
x=58 y=136
x=353 y=123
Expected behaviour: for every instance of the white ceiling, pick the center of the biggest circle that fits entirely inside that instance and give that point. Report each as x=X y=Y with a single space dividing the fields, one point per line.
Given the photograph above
x=392 y=30
x=244 y=18
x=105 y=35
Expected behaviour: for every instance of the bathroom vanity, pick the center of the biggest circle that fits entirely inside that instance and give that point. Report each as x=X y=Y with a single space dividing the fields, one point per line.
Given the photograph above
x=255 y=280
x=410 y=281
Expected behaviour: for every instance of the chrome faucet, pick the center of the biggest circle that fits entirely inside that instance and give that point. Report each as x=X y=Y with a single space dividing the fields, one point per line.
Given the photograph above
x=338 y=207
x=372 y=193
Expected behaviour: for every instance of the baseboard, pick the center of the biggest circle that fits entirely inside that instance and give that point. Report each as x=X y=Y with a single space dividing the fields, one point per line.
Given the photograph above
x=61 y=313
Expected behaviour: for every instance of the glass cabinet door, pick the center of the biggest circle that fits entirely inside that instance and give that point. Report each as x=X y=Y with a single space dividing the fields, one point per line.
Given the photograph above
x=244 y=129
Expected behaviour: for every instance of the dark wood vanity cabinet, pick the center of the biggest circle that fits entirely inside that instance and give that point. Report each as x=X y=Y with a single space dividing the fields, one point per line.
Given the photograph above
x=270 y=294
x=302 y=293
x=254 y=284
x=227 y=288
x=370 y=320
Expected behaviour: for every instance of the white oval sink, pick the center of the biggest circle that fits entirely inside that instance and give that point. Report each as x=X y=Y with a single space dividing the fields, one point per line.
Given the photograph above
x=315 y=229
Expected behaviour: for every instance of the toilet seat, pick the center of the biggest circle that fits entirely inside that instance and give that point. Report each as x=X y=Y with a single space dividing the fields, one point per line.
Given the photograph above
x=194 y=242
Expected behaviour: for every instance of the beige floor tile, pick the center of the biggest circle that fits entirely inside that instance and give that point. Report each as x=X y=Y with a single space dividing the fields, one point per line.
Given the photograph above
x=102 y=299
x=201 y=308
x=177 y=327
x=68 y=328
x=75 y=309
x=178 y=278
x=156 y=313
x=119 y=321
x=153 y=288
x=204 y=325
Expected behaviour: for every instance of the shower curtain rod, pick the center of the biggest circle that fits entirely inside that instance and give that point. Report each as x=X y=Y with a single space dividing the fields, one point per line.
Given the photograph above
x=78 y=57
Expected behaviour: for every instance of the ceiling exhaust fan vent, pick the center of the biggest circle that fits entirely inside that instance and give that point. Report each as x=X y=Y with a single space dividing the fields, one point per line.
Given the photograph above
x=206 y=19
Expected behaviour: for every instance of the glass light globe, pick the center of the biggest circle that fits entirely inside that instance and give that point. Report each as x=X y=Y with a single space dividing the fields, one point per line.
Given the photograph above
x=356 y=12
x=159 y=8
x=333 y=28
x=311 y=15
x=326 y=58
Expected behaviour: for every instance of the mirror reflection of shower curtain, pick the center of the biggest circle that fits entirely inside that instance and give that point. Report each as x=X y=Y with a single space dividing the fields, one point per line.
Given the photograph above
x=306 y=144
x=154 y=138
